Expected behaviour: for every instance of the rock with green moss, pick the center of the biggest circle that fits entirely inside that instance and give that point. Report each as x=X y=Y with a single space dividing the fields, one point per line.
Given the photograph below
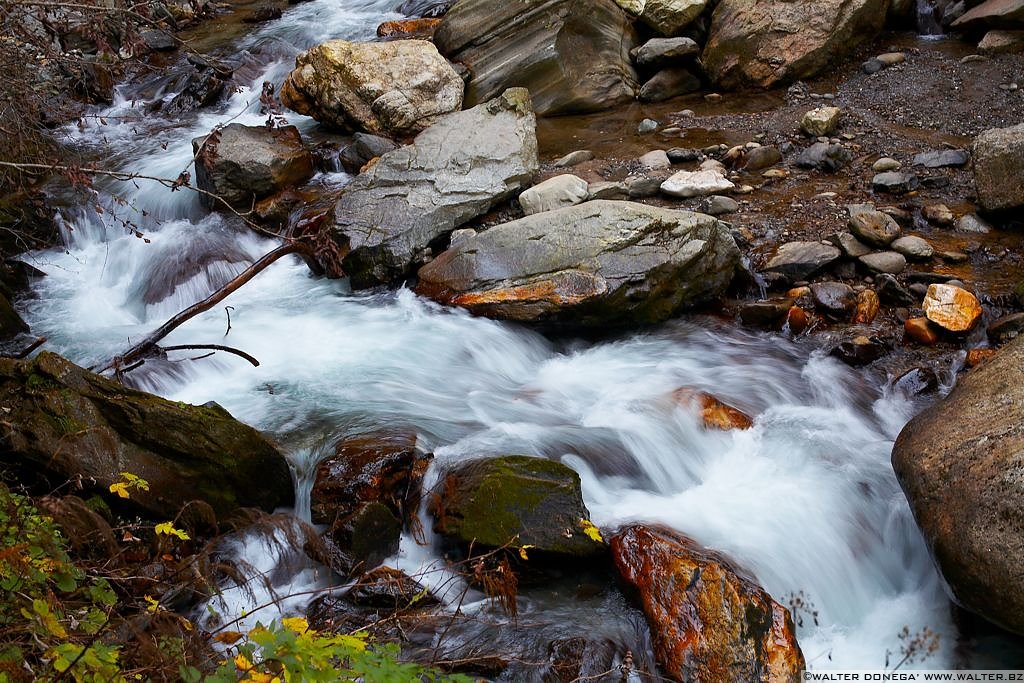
x=65 y=423
x=515 y=500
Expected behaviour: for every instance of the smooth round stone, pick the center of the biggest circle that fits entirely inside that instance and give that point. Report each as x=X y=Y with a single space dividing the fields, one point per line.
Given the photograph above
x=913 y=247
x=647 y=126
x=885 y=164
x=885 y=262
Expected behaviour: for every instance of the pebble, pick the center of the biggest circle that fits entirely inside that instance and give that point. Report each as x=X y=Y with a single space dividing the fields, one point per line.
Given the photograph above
x=895 y=182
x=821 y=121
x=885 y=262
x=913 y=247
x=655 y=159
x=775 y=173
x=712 y=97
x=938 y=214
x=717 y=205
x=972 y=223
x=640 y=188
x=972 y=59
x=886 y=164
x=607 y=190
x=574 y=158
x=681 y=155
x=647 y=126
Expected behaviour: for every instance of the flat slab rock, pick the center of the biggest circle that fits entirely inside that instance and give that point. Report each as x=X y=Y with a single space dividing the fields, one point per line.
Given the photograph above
x=598 y=263
x=453 y=171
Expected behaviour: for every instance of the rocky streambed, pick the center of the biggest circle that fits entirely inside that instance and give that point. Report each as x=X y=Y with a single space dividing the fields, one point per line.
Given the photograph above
x=706 y=314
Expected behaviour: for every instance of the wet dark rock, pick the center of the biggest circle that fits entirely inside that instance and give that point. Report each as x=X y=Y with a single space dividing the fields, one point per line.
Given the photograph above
x=895 y=182
x=595 y=264
x=767 y=314
x=516 y=500
x=860 y=350
x=362 y=149
x=203 y=88
x=424 y=8
x=668 y=83
x=850 y=245
x=921 y=331
x=943 y=157
x=959 y=463
x=824 y=157
x=1008 y=327
x=916 y=382
x=572 y=55
x=364 y=492
x=261 y=14
x=69 y=424
x=798 y=260
x=658 y=51
x=416 y=194
x=682 y=155
x=335 y=614
x=158 y=40
x=387 y=588
x=709 y=620
x=243 y=164
x=999 y=167
x=11 y=324
x=892 y=293
x=834 y=299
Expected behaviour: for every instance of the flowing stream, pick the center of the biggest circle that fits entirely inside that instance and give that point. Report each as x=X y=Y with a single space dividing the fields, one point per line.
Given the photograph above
x=806 y=499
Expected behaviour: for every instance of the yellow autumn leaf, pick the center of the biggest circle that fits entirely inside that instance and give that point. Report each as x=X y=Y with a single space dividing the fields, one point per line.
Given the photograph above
x=154 y=604
x=297 y=624
x=167 y=529
x=260 y=677
x=523 y=549
x=592 y=532
x=228 y=637
x=351 y=642
x=120 y=488
x=242 y=662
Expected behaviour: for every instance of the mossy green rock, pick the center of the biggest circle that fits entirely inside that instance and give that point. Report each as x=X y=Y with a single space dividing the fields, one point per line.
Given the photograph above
x=517 y=500
x=62 y=422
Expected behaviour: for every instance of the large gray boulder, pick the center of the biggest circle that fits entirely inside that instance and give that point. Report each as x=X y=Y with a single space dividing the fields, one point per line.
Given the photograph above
x=961 y=464
x=992 y=14
x=572 y=55
x=454 y=171
x=398 y=87
x=599 y=263
x=999 y=167
x=762 y=43
x=243 y=164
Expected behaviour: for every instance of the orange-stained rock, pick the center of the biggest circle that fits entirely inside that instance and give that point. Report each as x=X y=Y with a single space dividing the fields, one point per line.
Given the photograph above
x=951 y=307
x=976 y=357
x=408 y=28
x=921 y=330
x=714 y=413
x=709 y=621
x=796 y=320
x=798 y=292
x=867 y=307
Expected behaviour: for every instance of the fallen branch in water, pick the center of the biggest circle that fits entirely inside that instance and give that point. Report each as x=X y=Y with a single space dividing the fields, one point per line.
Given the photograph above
x=148 y=346
x=30 y=348
x=213 y=347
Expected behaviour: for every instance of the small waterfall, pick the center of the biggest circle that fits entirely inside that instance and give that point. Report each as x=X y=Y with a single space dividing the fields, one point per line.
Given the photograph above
x=927 y=15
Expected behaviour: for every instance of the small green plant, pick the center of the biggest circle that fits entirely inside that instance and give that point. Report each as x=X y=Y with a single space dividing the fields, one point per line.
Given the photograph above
x=290 y=651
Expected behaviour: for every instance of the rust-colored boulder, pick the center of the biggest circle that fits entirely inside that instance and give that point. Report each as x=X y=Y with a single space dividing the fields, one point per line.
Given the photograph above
x=976 y=357
x=709 y=622
x=951 y=307
x=714 y=413
x=796 y=320
x=921 y=330
x=867 y=307
x=408 y=28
